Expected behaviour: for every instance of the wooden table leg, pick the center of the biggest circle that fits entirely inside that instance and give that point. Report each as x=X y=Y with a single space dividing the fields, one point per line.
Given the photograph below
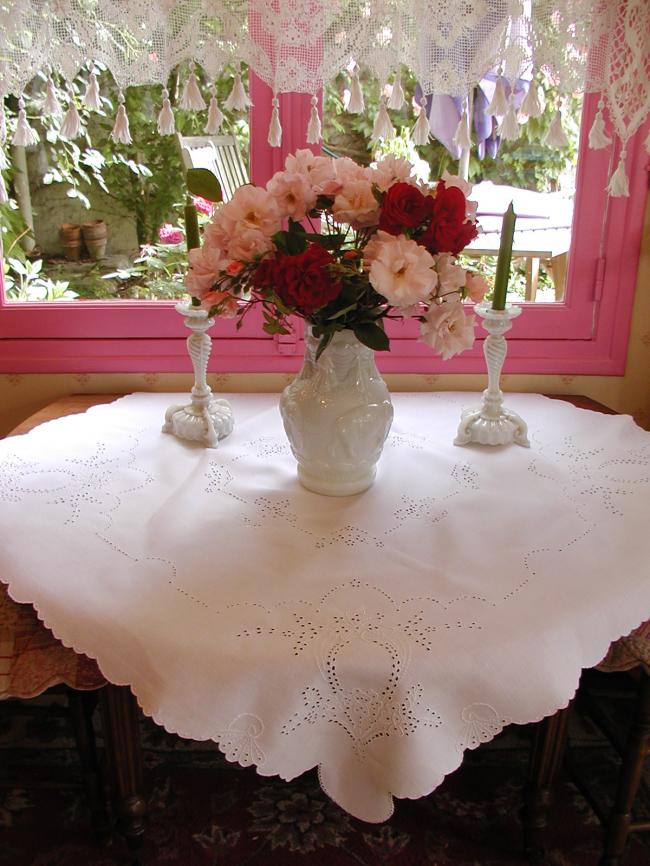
x=636 y=751
x=532 y=278
x=82 y=706
x=546 y=758
x=122 y=737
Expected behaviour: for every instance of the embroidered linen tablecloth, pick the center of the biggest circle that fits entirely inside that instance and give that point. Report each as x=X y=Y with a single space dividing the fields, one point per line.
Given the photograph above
x=374 y=636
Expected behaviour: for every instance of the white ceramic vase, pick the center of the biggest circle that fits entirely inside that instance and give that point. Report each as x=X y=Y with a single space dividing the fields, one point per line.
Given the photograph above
x=337 y=413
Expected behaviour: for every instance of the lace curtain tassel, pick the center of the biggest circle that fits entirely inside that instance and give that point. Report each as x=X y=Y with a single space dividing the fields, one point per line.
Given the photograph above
x=166 y=124
x=121 y=133
x=238 y=99
x=421 y=132
x=314 y=126
x=598 y=137
x=509 y=129
x=383 y=128
x=396 y=100
x=531 y=106
x=356 y=104
x=275 y=129
x=215 y=115
x=71 y=126
x=24 y=136
x=618 y=184
x=556 y=136
x=192 y=100
x=4 y=198
x=51 y=106
x=462 y=138
x=91 y=98
x=499 y=103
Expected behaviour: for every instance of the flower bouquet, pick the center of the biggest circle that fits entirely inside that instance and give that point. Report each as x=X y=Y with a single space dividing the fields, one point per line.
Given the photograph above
x=346 y=248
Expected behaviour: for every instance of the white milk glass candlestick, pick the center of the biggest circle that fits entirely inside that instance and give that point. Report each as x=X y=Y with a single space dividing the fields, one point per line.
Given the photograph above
x=492 y=423
x=205 y=419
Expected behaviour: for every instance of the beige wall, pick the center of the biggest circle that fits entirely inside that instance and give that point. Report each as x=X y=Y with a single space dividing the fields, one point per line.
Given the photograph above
x=23 y=394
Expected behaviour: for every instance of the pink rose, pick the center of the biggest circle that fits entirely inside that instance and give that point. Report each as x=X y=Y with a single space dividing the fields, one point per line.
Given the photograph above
x=170 y=234
x=356 y=205
x=403 y=272
x=293 y=194
x=249 y=208
x=476 y=286
x=392 y=169
x=224 y=301
x=447 y=329
x=248 y=244
x=204 y=271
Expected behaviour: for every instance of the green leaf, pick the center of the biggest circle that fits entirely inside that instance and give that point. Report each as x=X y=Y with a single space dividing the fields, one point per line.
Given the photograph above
x=372 y=335
x=201 y=181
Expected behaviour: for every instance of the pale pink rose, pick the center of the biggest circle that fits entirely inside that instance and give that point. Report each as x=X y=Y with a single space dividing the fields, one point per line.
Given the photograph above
x=204 y=271
x=252 y=208
x=451 y=275
x=356 y=205
x=293 y=193
x=227 y=304
x=455 y=180
x=392 y=169
x=215 y=234
x=447 y=329
x=348 y=170
x=373 y=247
x=170 y=234
x=319 y=170
x=476 y=286
x=403 y=272
x=248 y=244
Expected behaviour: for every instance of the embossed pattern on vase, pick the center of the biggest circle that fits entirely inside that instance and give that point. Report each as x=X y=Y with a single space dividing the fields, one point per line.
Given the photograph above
x=337 y=413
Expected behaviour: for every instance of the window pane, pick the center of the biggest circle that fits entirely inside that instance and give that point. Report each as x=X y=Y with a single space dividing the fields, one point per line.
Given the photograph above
x=108 y=219
x=539 y=177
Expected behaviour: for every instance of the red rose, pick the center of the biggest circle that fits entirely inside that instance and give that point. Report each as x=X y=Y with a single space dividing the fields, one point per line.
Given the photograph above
x=303 y=282
x=404 y=207
x=450 y=230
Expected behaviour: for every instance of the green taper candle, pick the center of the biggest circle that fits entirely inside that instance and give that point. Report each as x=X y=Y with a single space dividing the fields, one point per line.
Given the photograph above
x=503 y=262
x=191 y=226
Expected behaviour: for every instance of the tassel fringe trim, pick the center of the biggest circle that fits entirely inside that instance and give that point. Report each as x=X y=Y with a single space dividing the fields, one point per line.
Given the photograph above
x=421 y=132
x=618 y=184
x=91 y=98
x=275 y=129
x=24 y=136
x=121 y=133
x=238 y=99
x=314 y=126
x=192 y=100
x=356 y=104
x=166 y=123
x=215 y=116
x=499 y=103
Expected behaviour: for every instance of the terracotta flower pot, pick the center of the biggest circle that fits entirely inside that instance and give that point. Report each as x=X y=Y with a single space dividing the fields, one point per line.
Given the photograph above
x=70 y=237
x=95 y=235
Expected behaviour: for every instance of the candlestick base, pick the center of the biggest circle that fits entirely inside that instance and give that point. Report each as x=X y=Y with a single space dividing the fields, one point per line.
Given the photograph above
x=205 y=419
x=492 y=423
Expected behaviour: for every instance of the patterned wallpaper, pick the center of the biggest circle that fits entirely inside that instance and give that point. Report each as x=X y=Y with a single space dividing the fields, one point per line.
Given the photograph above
x=22 y=394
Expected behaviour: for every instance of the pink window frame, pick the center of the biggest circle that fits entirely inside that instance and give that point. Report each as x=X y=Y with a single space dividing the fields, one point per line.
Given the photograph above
x=586 y=334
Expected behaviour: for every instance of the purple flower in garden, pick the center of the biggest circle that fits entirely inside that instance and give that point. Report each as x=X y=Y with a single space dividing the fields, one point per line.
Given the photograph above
x=170 y=234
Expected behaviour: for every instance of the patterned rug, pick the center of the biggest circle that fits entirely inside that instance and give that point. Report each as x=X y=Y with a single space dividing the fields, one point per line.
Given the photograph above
x=206 y=812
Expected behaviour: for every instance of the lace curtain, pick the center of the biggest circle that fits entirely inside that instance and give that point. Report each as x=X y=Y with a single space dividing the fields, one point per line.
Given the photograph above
x=296 y=45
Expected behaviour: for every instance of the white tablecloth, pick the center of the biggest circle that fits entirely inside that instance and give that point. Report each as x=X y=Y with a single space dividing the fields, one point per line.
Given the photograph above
x=375 y=636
